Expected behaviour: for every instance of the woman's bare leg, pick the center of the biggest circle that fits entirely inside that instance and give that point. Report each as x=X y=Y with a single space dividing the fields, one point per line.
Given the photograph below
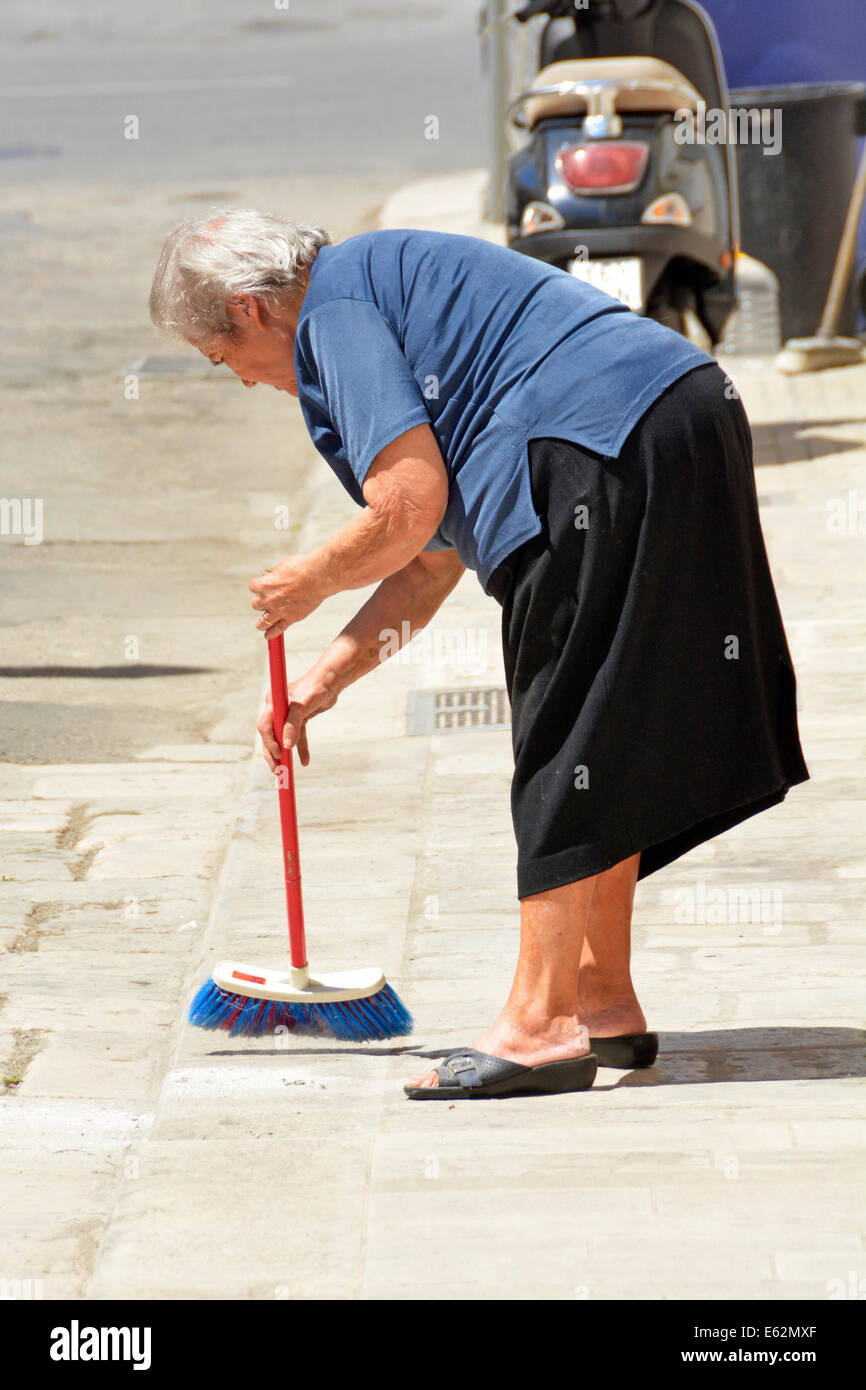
x=606 y=1000
x=539 y=1022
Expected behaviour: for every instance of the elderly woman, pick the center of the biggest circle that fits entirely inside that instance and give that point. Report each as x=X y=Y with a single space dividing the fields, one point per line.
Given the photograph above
x=490 y=412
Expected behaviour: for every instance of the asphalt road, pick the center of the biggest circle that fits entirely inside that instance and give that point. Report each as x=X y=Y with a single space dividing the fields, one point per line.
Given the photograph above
x=238 y=88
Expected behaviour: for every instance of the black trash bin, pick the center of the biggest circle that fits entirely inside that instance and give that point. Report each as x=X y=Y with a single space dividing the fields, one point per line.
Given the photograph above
x=793 y=204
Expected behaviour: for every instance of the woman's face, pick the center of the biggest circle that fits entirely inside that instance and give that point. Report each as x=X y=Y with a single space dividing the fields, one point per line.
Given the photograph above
x=261 y=350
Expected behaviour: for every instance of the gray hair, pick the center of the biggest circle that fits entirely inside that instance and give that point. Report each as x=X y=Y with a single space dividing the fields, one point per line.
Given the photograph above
x=207 y=261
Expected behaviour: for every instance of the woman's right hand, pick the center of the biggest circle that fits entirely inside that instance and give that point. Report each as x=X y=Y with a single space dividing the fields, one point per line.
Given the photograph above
x=308 y=696
x=268 y=742
x=270 y=746
x=265 y=726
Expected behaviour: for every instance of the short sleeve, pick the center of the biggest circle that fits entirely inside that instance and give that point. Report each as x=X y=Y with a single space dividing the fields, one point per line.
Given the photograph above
x=355 y=387
x=438 y=542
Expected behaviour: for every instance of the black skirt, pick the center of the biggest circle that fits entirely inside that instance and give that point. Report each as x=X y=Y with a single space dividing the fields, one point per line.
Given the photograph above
x=652 y=691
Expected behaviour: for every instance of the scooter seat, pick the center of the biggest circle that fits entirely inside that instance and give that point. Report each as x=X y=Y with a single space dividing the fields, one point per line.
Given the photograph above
x=636 y=84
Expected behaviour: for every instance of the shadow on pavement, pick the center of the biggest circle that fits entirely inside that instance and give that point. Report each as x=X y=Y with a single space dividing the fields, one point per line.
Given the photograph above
x=796 y=444
x=754 y=1054
x=130 y=670
x=685 y=1059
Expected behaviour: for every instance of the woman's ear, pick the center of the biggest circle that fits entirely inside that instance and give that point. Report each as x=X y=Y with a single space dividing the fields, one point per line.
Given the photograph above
x=246 y=308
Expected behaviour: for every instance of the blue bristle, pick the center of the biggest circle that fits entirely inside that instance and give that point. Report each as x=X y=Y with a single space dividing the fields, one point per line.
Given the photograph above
x=380 y=1015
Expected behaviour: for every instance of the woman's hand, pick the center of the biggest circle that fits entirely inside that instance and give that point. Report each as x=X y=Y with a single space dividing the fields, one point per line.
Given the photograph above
x=285 y=594
x=308 y=696
x=414 y=594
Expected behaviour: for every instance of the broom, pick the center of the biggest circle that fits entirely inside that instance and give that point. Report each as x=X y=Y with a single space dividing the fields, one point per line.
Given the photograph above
x=827 y=349
x=243 y=999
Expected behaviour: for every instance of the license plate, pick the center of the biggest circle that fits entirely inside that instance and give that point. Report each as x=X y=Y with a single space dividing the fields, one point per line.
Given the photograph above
x=622 y=278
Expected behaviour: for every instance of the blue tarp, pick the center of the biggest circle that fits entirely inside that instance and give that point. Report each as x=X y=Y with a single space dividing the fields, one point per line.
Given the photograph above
x=777 y=42
x=782 y=41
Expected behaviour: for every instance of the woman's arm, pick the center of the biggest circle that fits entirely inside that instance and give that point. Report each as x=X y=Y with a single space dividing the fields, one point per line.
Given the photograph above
x=411 y=595
x=406 y=491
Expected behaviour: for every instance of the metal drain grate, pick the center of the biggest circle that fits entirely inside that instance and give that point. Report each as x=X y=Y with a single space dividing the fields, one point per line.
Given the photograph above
x=455 y=711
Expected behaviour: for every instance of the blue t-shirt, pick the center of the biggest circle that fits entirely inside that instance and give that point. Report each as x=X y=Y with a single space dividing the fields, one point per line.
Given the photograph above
x=487 y=346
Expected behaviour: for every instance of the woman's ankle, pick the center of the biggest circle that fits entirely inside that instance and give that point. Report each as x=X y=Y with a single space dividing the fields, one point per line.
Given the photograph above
x=597 y=990
x=613 y=1020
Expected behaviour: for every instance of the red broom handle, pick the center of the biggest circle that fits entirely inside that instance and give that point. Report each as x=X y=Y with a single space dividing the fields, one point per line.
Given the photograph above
x=288 y=813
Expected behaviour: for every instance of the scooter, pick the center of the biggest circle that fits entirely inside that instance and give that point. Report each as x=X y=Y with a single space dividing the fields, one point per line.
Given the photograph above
x=614 y=182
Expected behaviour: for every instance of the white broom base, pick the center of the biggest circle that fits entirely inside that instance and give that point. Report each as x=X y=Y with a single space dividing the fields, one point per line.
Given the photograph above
x=297 y=986
x=816 y=354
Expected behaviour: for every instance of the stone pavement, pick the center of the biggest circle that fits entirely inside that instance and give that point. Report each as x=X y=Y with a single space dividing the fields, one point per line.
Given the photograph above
x=210 y=1167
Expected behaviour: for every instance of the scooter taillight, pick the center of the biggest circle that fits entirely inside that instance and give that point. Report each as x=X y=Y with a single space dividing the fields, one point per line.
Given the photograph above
x=606 y=166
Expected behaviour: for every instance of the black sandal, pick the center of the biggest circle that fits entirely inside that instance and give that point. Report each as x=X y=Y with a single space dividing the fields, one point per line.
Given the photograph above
x=471 y=1075
x=628 y=1051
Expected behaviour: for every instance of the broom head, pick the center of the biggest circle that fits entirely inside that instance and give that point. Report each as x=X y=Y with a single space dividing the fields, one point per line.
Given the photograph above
x=351 y=1005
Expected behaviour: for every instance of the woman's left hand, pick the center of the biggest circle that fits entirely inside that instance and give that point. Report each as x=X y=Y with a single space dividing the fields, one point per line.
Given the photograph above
x=284 y=595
